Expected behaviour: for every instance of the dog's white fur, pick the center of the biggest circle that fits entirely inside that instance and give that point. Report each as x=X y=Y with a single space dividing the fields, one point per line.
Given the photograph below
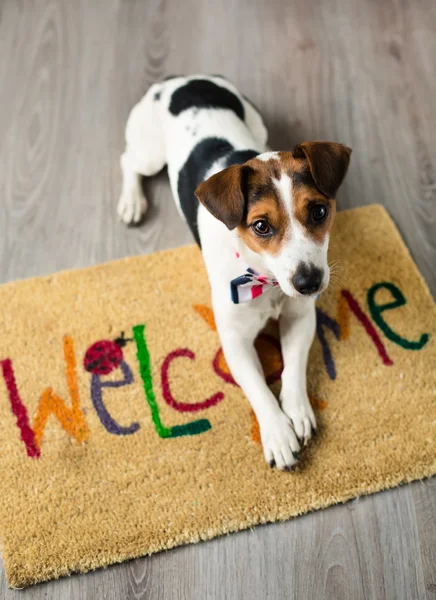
x=154 y=137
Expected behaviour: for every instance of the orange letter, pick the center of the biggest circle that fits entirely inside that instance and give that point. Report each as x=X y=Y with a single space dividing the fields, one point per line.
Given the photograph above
x=72 y=419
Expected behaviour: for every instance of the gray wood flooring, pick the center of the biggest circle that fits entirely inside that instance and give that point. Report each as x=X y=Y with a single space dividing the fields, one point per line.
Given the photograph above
x=358 y=71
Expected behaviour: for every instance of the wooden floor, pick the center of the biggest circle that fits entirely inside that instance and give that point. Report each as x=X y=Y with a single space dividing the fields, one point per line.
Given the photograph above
x=355 y=71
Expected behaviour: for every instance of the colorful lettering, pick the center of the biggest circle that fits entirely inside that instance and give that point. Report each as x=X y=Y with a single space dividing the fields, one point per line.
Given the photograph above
x=376 y=311
x=323 y=320
x=71 y=419
x=105 y=356
x=221 y=368
x=207 y=315
x=19 y=410
x=255 y=429
x=169 y=398
x=143 y=356
x=106 y=419
x=368 y=326
x=343 y=317
x=341 y=329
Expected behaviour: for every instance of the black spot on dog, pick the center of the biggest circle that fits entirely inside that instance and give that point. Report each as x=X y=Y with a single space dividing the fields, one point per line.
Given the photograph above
x=193 y=172
x=303 y=178
x=238 y=157
x=201 y=93
x=156 y=97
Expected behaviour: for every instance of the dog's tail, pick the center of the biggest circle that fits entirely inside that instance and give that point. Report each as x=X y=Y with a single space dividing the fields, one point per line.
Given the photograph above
x=144 y=154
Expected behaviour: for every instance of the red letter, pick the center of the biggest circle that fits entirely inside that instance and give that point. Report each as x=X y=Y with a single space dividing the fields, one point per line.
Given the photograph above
x=19 y=409
x=184 y=406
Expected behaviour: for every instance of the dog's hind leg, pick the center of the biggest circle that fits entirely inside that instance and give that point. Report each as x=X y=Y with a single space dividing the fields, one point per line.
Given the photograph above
x=144 y=154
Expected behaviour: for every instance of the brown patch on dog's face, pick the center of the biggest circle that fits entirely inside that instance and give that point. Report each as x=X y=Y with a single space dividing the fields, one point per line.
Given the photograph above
x=264 y=205
x=308 y=203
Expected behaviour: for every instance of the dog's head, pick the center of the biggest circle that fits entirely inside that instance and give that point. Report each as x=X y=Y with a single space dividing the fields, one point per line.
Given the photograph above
x=282 y=205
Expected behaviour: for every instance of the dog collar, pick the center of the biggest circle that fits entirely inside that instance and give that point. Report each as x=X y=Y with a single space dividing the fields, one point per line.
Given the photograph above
x=250 y=285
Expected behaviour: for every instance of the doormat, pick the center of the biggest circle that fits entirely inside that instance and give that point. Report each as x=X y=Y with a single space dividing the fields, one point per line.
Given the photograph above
x=123 y=432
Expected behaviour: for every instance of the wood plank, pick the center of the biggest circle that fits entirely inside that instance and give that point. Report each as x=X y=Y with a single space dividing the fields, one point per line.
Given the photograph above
x=424 y=494
x=361 y=73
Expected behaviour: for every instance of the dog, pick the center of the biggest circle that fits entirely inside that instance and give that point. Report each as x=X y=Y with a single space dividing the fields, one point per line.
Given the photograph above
x=262 y=220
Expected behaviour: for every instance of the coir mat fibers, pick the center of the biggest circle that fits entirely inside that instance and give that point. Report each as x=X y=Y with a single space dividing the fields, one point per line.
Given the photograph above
x=123 y=432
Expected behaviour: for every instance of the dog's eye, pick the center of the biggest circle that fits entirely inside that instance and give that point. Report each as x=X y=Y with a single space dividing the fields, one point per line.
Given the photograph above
x=318 y=213
x=261 y=227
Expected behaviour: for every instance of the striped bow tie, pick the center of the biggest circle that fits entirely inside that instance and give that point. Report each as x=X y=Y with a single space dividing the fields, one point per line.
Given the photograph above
x=249 y=286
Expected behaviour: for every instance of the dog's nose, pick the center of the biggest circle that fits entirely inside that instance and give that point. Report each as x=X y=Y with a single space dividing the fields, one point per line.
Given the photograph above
x=307 y=279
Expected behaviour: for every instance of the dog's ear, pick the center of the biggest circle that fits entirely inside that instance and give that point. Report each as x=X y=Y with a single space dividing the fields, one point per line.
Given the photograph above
x=328 y=163
x=223 y=195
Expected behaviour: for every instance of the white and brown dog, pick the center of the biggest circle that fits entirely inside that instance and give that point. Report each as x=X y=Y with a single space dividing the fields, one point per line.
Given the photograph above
x=263 y=224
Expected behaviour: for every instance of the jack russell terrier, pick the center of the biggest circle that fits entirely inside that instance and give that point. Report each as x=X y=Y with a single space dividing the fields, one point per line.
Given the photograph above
x=262 y=220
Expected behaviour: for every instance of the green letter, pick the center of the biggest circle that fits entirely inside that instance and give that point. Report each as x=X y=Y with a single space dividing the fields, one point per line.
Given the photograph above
x=143 y=356
x=376 y=313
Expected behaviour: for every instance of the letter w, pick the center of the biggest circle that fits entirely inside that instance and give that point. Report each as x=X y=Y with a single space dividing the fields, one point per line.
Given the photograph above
x=72 y=419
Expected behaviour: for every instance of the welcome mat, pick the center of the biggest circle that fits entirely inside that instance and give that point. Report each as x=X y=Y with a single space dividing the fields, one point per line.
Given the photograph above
x=123 y=432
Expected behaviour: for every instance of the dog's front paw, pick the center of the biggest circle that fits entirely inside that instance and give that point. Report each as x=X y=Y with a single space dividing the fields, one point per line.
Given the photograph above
x=280 y=444
x=302 y=417
x=132 y=207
